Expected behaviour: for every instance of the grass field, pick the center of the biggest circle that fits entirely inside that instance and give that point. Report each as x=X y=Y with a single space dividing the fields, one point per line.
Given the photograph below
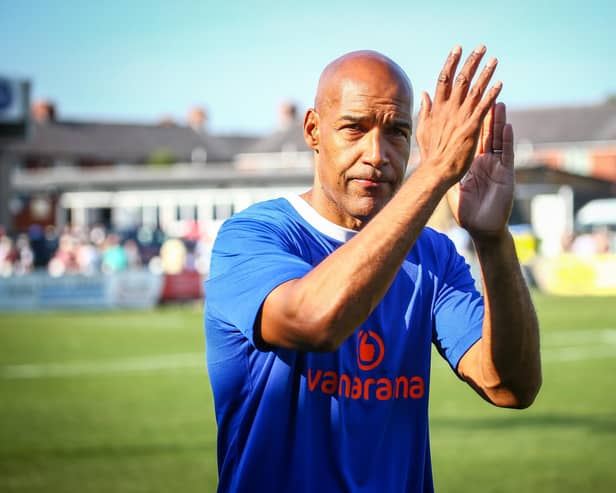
x=120 y=401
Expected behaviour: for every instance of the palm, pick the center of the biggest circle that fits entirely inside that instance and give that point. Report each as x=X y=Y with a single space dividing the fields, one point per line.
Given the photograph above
x=482 y=202
x=460 y=120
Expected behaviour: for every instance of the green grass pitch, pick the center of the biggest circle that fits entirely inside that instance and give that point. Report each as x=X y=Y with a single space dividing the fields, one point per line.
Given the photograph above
x=120 y=401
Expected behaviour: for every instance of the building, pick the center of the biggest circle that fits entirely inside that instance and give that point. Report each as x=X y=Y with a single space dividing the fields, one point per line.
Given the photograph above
x=171 y=175
x=580 y=140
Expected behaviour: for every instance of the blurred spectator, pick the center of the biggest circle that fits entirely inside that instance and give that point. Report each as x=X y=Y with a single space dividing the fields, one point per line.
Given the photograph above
x=593 y=243
x=173 y=256
x=88 y=258
x=64 y=260
x=40 y=248
x=566 y=241
x=114 y=255
x=94 y=250
x=24 y=263
x=133 y=257
x=8 y=255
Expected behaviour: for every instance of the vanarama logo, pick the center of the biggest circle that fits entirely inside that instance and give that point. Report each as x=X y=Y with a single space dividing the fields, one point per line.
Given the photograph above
x=370 y=351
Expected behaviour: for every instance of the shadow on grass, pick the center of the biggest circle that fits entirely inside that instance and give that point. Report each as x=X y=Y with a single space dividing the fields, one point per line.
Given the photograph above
x=592 y=423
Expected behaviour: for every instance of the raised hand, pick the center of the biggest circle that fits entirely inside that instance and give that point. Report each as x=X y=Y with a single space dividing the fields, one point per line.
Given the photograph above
x=481 y=202
x=449 y=127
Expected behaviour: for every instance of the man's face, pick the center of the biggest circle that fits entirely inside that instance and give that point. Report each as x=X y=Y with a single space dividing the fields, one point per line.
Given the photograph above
x=364 y=134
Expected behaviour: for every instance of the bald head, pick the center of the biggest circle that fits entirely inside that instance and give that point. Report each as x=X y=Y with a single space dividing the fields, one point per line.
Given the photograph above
x=360 y=66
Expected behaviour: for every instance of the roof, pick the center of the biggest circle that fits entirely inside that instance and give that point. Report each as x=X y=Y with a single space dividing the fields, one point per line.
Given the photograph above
x=562 y=124
x=134 y=143
x=290 y=138
x=238 y=143
x=117 y=142
x=565 y=124
x=136 y=177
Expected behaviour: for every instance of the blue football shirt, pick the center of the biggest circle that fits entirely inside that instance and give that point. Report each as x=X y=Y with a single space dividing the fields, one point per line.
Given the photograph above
x=353 y=420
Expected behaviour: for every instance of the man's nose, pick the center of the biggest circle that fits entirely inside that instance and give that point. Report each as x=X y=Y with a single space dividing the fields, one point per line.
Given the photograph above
x=374 y=153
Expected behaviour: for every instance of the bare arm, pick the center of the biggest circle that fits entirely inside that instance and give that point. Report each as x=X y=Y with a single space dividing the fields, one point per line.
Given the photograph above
x=323 y=308
x=320 y=310
x=504 y=366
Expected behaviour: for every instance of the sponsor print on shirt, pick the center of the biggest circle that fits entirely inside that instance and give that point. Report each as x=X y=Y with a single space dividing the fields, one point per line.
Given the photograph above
x=370 y=353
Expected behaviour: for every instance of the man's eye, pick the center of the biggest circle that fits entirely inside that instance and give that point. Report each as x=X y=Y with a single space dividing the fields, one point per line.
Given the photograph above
x=399 y=132
x=354 y=127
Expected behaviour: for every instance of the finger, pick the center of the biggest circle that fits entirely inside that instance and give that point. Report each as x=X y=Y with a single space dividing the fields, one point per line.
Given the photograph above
x=425 y=106
x=486 y=103
x=424 y=111
x=443 y=85
x=478 y=89
x=486 y=135
x=508 y=156
x=500 y=119
x=464 y=78
x=480 y=147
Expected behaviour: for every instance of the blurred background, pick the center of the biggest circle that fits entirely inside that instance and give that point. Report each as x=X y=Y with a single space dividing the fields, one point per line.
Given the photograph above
x=130 y=130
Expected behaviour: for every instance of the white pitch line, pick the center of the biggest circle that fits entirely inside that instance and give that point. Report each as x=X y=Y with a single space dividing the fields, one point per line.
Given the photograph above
x=108 y=367
x=578 y=354
x=556 y=346
x=579 y=345
x=580 y=337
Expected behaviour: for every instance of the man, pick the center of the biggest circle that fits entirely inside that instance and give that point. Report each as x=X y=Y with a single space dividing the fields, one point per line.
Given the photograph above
x=322 y=308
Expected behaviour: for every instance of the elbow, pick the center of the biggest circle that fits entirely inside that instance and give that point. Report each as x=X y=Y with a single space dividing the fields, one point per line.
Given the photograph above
x=516 y=396
x=317 y=334
x=293 y=319
x=323 y=336
x=528 y=395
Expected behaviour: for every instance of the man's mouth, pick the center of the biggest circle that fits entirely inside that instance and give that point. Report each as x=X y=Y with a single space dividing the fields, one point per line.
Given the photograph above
x=369 y=182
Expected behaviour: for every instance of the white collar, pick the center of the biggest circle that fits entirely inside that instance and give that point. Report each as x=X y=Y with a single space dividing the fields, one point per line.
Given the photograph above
x=312 y=217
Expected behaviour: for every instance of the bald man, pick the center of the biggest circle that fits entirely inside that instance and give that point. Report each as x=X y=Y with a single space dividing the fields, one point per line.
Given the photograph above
x=322 y=307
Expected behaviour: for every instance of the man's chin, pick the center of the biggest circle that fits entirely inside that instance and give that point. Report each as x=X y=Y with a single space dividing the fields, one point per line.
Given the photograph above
x=365 y=208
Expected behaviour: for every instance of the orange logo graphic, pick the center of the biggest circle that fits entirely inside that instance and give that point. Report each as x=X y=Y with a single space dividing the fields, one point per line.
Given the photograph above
x=370 y=353
x=370 y=350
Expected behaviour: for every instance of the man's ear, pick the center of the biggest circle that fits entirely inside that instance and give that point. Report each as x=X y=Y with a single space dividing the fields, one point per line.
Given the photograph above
x=311 y=129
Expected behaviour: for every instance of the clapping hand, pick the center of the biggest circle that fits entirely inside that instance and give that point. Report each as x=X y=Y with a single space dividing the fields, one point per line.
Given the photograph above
x=464 y=138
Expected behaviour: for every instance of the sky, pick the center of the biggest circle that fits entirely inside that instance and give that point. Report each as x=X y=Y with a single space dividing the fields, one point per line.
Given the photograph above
x=144 y=60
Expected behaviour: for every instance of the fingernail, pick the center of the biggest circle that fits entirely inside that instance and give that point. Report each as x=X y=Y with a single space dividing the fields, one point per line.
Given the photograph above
x=492 y=62
x=457 y=49
x=480 y=48
x=498 y=84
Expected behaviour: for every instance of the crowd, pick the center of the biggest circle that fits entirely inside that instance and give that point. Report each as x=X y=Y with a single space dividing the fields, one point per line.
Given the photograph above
x=89 y=251
x=73 y=250
x=597 y=241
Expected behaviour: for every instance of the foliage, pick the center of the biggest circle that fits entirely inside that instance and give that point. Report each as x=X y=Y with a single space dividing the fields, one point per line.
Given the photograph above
x=162 y=157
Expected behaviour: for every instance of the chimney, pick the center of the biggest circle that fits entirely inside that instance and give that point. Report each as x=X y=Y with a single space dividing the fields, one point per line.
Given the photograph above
x=166 y=121
x=287 y=115
x=197 y=119
x=44 y=111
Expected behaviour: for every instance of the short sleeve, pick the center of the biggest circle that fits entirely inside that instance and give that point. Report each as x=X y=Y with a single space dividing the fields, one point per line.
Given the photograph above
x=458 y=309
x=250 y=258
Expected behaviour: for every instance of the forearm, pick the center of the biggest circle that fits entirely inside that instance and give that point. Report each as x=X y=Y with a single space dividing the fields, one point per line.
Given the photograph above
x=317 y=313
x=509 y=357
